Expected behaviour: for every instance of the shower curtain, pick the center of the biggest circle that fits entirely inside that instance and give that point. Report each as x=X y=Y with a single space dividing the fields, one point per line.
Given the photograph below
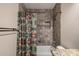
x=26 y=40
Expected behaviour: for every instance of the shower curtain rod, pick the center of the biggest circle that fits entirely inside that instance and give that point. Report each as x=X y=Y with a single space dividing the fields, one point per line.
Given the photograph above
x=2 y=29
x=34 y=12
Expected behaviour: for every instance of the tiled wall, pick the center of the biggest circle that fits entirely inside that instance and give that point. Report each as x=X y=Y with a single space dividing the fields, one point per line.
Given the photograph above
x=44 y=29
x=56 y=25
x=48 y=25
x=44 y=26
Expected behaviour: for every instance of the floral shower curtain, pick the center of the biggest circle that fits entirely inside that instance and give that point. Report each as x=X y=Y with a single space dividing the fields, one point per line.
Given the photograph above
x=26 y=41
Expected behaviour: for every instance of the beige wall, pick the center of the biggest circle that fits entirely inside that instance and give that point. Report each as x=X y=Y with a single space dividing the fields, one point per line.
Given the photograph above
x=8 y=18
x=70 y=25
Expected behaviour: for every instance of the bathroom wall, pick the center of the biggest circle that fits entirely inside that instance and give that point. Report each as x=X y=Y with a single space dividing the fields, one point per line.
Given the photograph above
x=44 y=26
x=56 y=25
x=8 y=19
x=70 y=25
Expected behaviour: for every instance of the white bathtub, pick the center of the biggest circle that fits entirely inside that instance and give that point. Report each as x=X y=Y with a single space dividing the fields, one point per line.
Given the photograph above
x=43 y=51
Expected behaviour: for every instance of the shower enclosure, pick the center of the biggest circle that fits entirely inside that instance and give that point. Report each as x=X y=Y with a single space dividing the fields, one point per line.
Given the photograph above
x=44 y=27
x=44 y=30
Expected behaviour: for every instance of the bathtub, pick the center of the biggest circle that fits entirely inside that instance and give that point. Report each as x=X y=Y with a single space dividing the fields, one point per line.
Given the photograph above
x=43 y=51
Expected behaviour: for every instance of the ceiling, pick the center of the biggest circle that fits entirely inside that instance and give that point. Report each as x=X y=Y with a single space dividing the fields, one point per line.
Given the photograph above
x=39 y=5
